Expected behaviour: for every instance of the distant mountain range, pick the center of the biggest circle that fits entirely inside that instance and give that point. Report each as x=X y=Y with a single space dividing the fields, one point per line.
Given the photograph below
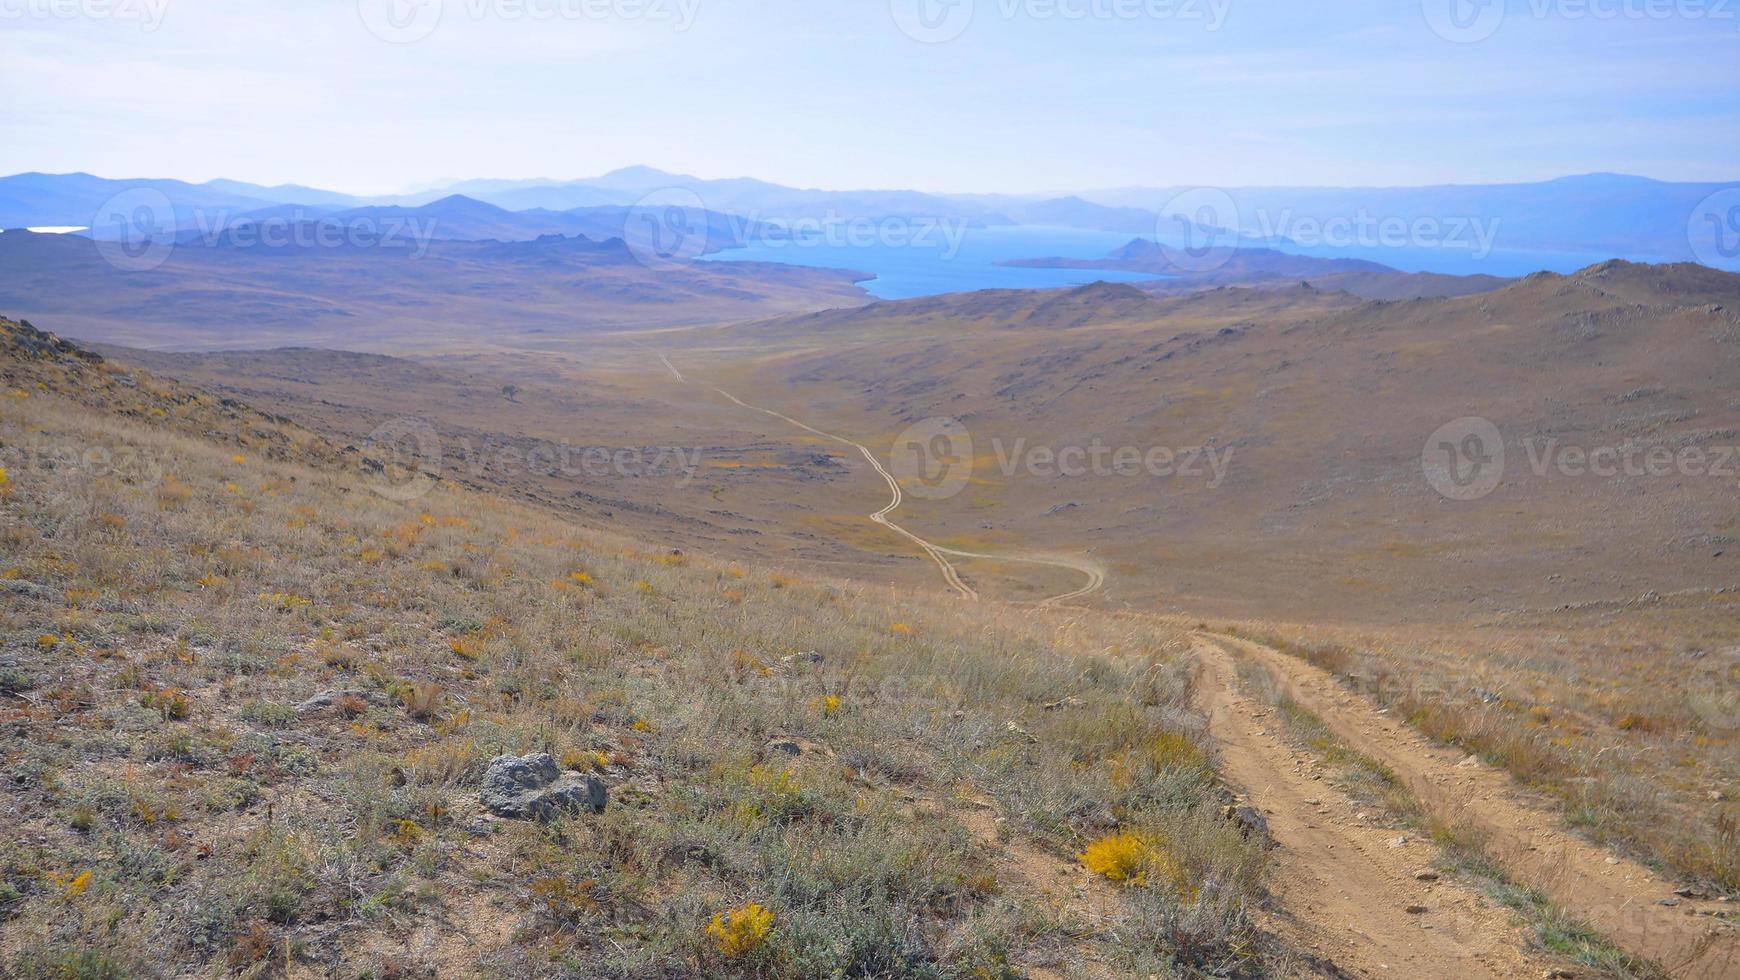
x=1610 y=214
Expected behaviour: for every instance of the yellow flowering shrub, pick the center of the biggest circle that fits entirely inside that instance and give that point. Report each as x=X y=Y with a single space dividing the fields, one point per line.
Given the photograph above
x=1137 y=858
x=741 y=931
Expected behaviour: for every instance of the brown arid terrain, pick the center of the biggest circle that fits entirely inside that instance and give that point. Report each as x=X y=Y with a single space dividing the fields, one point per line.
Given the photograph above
x=1489 y=723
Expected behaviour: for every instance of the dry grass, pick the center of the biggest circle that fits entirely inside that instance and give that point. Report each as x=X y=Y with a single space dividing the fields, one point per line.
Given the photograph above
x=171 y=811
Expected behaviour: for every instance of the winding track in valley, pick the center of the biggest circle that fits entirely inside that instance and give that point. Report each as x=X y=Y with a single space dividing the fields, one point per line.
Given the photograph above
x=1096 y=579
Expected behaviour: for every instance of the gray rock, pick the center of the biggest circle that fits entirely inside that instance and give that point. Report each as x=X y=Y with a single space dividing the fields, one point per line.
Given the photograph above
x=571 y=793
x=328 y=699
x=1251 y=823
x=535 y=787
x=29 y=590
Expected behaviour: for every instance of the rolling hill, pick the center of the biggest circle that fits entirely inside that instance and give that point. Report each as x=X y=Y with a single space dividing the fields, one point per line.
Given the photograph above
x=396 y=293
x=1267 y=268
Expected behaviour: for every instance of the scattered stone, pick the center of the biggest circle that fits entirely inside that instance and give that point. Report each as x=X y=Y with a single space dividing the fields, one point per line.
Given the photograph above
x=1313 y=802
x=1717 y=796
x=1612 y=860
x=1094 y=815
x=793 y=747
x=535 y=787
x=1415 y=910
x=1070 y=702
x=1425 y=874
x=1691 y=893
x=1669 y=902
x=1401 y=841
x=329 y=699
x=1470 y=762
x=1559 y=973
x=29 y=590
x=1019 y=732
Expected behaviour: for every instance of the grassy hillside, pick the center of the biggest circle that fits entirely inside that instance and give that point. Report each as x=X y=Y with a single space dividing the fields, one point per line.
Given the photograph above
x=245 y=706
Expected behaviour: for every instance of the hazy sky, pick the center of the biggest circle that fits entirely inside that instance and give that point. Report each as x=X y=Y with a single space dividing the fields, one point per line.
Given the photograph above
x=991 y=95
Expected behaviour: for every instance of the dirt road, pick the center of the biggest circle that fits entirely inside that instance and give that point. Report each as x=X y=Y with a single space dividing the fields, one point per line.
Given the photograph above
x=1619 y=898
x=1345 y=886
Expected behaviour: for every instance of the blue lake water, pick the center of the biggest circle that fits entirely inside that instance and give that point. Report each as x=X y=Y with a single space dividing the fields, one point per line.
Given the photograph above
x=930 y=264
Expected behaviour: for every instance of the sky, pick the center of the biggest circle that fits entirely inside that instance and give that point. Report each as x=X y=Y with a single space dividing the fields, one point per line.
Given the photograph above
x=382 y=96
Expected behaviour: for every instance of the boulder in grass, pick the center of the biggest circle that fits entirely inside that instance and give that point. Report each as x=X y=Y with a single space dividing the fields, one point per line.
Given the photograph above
x=534 y=787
